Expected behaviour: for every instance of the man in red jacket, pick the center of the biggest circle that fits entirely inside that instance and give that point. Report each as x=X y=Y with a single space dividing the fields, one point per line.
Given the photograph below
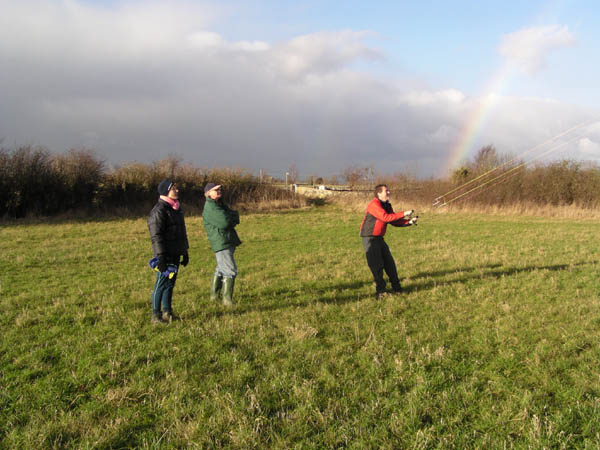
x=372 y=229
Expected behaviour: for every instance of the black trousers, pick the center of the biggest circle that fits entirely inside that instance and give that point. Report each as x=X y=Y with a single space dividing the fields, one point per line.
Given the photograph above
x=379 y=258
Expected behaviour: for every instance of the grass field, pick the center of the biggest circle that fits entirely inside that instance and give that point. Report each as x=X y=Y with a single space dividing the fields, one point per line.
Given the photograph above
x=494 y=343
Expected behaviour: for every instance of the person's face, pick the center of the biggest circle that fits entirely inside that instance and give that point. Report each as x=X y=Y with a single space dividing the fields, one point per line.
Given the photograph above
x=384 y=194
x=173 y=192
x=215 y=194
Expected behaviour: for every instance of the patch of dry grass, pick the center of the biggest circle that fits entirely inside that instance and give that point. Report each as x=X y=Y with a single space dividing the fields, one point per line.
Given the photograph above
x=357 y=202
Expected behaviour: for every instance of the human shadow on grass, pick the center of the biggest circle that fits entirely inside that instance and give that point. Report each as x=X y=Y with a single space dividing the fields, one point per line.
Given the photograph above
x=441 y=273
x=284 y=298
x=349 y=290
x=494 y=273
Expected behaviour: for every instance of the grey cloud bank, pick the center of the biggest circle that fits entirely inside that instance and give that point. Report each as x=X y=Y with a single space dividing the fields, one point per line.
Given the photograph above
x=139 y=82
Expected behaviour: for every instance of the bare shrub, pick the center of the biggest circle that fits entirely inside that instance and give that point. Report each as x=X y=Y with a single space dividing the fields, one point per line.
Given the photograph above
x=133 y=187
x=5 y=176
x=359 y=177
x=31 y=185
x=81 y=172
x=293 y=176
x=33 y=182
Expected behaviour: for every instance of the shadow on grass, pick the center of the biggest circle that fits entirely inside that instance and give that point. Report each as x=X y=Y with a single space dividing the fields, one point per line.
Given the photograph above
x=287 y=299
x=441 y=273
x=129 y=435
x=349 y=294
x=349 y=289
x=495 y=274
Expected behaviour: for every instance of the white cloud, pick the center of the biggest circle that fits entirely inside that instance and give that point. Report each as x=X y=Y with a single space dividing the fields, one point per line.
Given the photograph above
x=589 y=148
x=528 y=48
x=445 y=134
x=322 y=52
x=205 y=39
x=253 y=46
x=421 y=98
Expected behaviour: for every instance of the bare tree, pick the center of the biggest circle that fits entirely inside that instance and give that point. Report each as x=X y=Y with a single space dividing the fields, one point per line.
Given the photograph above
x=293 y=175
x=485 y=159
x=168 y=166
x=356 y=175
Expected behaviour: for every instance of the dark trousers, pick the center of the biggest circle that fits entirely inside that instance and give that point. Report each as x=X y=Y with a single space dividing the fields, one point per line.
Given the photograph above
x=163 y=292
x=379 y=258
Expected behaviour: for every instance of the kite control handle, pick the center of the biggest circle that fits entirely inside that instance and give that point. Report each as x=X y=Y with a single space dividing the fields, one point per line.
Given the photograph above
x=412 y=220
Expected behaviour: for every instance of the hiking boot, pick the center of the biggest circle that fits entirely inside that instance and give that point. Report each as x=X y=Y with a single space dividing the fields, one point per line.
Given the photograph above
x=157 y=318
x=397 y=289
x=228 y=284
x=380 y=284
x=215 y=288
x=169 y=317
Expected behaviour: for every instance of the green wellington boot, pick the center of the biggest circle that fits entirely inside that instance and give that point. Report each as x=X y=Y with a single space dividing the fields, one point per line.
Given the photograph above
x=228 y=284
x=215 y=288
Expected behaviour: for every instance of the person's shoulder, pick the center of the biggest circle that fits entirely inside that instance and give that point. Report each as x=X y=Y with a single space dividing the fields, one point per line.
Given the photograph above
x=155 y=208
x=374 y=202
x=156 y=213
x=162 y=207
x=209 y=205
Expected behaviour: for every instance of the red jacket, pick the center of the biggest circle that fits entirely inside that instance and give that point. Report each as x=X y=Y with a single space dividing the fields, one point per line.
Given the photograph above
x=378 y=215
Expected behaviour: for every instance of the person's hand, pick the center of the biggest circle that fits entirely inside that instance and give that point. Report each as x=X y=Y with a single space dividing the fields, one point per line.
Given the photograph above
x=185 y=259
x=161 y=265
x=409 y=213
x=413 y=221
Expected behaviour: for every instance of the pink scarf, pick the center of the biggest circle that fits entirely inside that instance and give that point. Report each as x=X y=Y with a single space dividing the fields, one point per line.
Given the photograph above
x=174 y=203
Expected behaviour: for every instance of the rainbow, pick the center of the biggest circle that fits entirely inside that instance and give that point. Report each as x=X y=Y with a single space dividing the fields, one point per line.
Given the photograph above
x=476 y=120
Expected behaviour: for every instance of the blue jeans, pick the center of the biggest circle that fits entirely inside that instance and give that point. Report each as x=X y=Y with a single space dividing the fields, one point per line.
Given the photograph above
x=226 y=266
x=163 y=292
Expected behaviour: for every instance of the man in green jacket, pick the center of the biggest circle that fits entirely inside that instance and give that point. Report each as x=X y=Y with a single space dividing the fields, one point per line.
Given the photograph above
x=219 y=222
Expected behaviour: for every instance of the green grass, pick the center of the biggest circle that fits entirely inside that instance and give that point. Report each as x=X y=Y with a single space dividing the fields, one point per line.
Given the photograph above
x=494 y=343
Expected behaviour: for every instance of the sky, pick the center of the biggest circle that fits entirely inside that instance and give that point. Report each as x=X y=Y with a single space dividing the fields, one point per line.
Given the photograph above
x=411 y=87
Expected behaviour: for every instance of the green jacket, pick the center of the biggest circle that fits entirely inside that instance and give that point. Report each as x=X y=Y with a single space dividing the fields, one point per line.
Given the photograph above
x=219 y=222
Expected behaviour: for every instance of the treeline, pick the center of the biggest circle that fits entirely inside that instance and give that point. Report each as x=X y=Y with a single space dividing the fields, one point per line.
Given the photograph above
x=35 y=182
x=491 y=179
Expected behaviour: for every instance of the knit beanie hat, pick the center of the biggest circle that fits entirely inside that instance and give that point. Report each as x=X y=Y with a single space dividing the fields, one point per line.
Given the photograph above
x=210 y=187
x=165 y=186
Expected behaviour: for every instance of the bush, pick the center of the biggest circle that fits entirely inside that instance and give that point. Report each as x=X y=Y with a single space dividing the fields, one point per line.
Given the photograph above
x=30 y=183
x=34 y=182
x=81 y=173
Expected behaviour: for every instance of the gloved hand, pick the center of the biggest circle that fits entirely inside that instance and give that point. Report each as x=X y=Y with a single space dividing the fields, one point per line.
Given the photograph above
x=409 y=213
x=413 y=221
x=185 y=259
x=162 y=263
